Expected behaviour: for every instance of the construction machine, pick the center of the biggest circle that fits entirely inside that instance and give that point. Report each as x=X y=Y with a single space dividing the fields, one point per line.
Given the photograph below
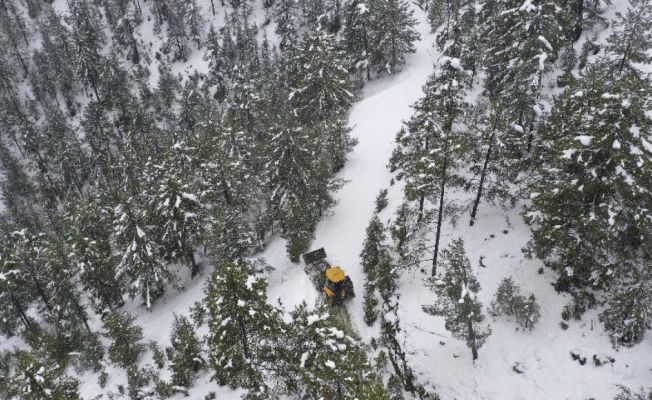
x=330 y=279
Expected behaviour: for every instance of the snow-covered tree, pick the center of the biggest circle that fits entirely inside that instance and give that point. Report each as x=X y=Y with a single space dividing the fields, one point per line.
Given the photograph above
x=356 y=36
x=187 y=357
x=125 y=336
x=631 y=39
x=34 y=379
x=243 y=327
x=433 y=143
x=174 y=199
x=457 y=298
x=328 y=363
x=392 y=34
x=140 y=260
x=89 y=231
x=373 y=250
x=590 y=204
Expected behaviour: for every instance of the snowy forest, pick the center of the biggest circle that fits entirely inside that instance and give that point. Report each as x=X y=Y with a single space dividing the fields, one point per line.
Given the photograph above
x=481 y=169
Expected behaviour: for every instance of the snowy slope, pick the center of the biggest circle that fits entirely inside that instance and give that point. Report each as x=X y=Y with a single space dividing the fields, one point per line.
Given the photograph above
x=440 y=361
x=543 y=356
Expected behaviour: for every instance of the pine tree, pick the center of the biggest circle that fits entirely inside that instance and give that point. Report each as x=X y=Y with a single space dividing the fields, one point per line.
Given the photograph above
x=286 y=17
x=457 y=298
x=243 y=327
x=589 y=201
x=89 y=230
x=297 y=183
x=430 y=150
x=125 y=336
x=494 y=156
x=174 y=199
x=15 y=298
x=356 y=36
x=34 y=379
x=325 y=90
x=631 y=40
x=392 y=34
x=370 y=256
x=139 y=251
x=629 y=312
x=327 y=362
x=88 y=38
x=13 y=33
x=514 y=73
x=187 y=357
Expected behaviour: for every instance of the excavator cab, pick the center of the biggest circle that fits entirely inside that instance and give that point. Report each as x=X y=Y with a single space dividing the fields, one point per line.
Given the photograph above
x=337 y=286
x=330 y=279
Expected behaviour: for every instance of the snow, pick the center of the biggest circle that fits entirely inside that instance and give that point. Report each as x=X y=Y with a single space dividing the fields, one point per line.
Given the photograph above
x=584 y=139
x=547 y=370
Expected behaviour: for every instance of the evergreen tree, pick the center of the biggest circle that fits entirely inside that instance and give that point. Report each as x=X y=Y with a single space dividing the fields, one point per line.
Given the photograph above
x=286 y=16
x=457 y=298
x=88 y=38
x=325 y=90
x=243 y=327
x=35 y=379
x=430 y=150
x=392 y=34
x=328 y=363
x=370 y=256
x=174 y=199
x=589 y=206
x=89 y=230
x=356 y=36
x=631 y=40
x=187 y=357
x=125 y=336
x=514 y=73
x=139 y=251
x=629 y=312
x=15 y=299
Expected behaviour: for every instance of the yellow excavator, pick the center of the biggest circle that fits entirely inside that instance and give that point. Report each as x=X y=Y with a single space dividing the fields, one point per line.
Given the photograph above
x=330 y=279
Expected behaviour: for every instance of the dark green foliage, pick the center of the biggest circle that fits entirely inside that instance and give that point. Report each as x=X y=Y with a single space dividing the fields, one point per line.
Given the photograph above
x=578 y=305
x=629 y=314
x=243 y=327
x=631 y=40
x=509 y=301
x=381 y=200
x=187 y=357
x=458 y=302
x=392 y=34
x=598 y=169
x=328 y=362
x=625 y=393
x=125 y=338
x=35 y=380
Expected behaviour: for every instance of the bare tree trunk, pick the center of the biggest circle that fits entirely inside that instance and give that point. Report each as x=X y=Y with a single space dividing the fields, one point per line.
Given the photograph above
x=474 y=348
x=482 y=176
x=440 y=217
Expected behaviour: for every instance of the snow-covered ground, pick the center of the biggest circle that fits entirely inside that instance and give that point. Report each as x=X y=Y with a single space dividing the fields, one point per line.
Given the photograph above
x=543 y=355
x=442 y=363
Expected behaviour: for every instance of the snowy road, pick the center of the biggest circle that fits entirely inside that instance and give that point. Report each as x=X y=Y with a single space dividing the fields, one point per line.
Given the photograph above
x=376 y=119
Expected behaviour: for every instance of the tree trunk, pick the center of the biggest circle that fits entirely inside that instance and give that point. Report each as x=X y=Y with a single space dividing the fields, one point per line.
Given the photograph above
x=474 y=349
x=213 y=6
x=482 y=176
x=439 y=220
x=243 y=339
x=579 y=15
x=39 y=288
x=19 y=310
x=191 y=258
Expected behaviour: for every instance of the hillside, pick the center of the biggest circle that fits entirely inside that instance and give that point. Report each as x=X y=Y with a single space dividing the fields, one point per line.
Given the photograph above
x=270 y=134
